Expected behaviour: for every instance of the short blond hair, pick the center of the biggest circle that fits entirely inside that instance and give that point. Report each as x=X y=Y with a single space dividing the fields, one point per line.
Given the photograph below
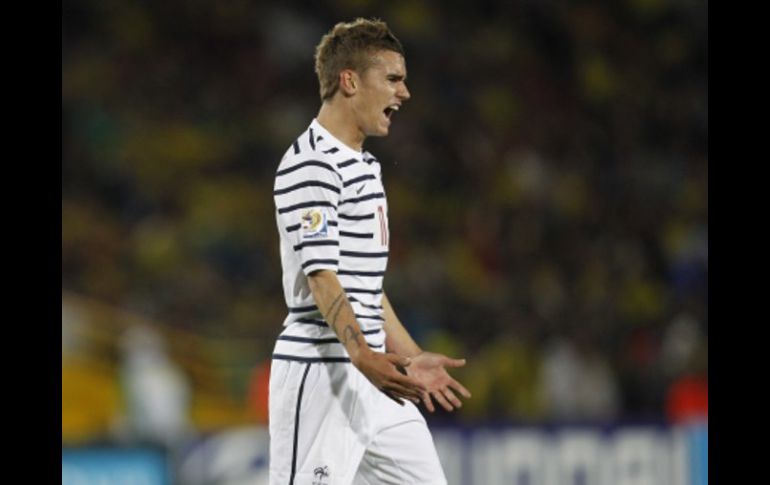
x=351 y=45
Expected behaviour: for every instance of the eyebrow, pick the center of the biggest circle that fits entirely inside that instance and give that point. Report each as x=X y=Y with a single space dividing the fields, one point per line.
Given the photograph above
x=396 y=76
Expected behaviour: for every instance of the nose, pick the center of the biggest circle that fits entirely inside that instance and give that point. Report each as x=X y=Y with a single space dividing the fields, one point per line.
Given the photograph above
x=403 y=93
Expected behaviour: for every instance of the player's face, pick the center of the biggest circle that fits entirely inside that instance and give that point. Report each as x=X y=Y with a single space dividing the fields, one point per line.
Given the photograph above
x=383 y=90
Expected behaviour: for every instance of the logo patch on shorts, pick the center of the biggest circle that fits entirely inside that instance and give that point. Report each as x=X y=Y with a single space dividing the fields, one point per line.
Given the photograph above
x=314 y=224
x=320 y=473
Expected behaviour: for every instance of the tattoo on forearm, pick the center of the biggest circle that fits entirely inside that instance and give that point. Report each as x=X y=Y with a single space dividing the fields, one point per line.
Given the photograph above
x=333 y=314
x=334 y=311
x=350 y=333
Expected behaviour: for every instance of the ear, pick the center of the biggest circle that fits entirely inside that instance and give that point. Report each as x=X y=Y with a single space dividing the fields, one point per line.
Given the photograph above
x=349 y=82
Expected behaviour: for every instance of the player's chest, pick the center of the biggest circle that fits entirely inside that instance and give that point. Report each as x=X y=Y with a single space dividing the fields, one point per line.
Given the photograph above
x=363 y=208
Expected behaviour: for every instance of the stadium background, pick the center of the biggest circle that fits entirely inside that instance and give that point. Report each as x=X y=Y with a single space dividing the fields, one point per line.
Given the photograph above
x=548 y=202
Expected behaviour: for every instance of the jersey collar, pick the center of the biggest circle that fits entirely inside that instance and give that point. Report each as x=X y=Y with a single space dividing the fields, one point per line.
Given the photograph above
x=332 y=140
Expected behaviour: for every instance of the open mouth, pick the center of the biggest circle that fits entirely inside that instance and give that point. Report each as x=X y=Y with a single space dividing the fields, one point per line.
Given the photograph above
x=389 y=110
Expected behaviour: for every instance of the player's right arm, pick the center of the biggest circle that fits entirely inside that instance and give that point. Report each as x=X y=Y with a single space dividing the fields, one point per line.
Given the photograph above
x=379 y=368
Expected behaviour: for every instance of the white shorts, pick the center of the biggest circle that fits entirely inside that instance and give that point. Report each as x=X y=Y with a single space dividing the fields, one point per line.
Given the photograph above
x=330 y=426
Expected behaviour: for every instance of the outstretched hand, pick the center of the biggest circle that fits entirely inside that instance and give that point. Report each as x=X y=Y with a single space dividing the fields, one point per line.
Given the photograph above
x=428 y=368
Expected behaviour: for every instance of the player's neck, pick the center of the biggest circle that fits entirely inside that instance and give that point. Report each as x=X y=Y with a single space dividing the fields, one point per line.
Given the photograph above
x=340 y=122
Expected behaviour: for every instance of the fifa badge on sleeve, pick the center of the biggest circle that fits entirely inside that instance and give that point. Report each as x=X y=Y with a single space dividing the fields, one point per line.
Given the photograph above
x=314 y=224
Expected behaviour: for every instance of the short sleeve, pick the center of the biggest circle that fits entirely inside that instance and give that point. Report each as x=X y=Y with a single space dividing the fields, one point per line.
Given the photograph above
x=306 y=196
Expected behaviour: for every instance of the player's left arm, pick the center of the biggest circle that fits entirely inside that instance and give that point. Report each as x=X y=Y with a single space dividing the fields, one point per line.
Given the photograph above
x=427 y=367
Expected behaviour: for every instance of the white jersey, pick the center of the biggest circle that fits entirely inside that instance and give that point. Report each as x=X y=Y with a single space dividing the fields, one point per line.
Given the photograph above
x=332 y=214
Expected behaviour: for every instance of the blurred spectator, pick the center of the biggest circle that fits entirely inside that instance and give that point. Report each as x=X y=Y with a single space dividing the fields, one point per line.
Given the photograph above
x=684 y=355
x=157 y=393
x=576 y=382
x=259 y=386
x=687 y=400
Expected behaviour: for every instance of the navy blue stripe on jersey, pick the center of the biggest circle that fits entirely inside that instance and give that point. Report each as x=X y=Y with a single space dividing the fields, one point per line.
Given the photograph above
x=359 y=254
x=311 y=262
x=312 y=142
x=302 y=205
x=332 y=150
x=347 y=162
x=373 y=307
x=318 y=322
x=319 y=138
x=363 y=290
x=378 y=195
x=358 y=179
x=326 y=340
x=361 y=273
x=305 y=244
x=359 y=235
x=296 y=147
x=366 y=305
x=356 y=218
x=312 y=321
x=333 y=223
x=319 y=341
x=303 y=309
x=311 y=360
x=310 y=183
x=307 y=163
x=370 y=317
x=309 y=340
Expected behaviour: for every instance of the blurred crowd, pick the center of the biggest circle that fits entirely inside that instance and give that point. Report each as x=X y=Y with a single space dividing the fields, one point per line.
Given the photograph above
x=547 y=184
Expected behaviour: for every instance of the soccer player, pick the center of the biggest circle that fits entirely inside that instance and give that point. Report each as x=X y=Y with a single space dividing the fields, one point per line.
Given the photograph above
x=346 y=375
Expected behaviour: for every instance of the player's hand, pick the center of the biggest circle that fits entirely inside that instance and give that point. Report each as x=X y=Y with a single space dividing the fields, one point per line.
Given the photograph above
x=428 y=368
x=382 y=371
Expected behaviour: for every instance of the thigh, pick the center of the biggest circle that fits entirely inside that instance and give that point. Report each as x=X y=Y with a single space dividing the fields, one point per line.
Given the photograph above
x=311 y=440
x=403 y=454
